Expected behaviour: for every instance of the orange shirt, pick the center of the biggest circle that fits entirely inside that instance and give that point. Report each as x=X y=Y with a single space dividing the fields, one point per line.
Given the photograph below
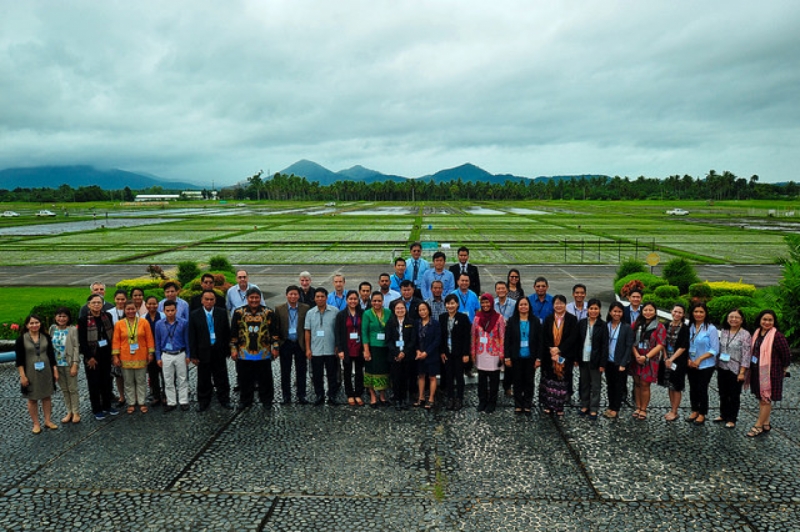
x=128 y=335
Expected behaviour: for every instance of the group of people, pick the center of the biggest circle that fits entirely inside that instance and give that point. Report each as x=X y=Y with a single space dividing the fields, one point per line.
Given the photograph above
x=422 y=322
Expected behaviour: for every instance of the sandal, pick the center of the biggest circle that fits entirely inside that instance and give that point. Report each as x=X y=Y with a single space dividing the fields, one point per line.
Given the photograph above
x=718 y=420
x=418 y=403
x=636 y=414
x=593 y=416
x=143 y=409
x=429 y=405
x=691 y=418
x=351 y=401
x=755 y=431
x=767 y=427
x=730 y=425
x=130 y=409
x=359 y=401
x=669 y=416
x=642 y=415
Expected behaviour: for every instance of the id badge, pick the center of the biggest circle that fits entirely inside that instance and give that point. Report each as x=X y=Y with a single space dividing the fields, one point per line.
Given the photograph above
x=354 y=336
x=560 y=360
x=674 y=366
x=38 y=366
x=523 y=343
x=692 y=354
x=754 y=360
x=134 y=347
x=642 y=345
x=484 y=340
x=320 y=334
x=168 y=346
x=400 y=344
x=380 y=336
x=293 y=331
x=725 y=357
x=102 y=343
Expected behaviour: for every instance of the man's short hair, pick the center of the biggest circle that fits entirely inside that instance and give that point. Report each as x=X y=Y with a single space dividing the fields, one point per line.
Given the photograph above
x=437 y=282
x=399 y=259
x=169 y=303
x=463 y=248
x=500 y=283
x=206 y=276
x=97 y=283
x=171 y=284
x=406 y=283
x=208 y=291
x=363 y=284
x=304 y=275
x=579 y=285
x=292 y=287
x=540 y=279
x=415 y=245
x=253 y=290
x=384 y=275
x=439 y=255
x=320 y=289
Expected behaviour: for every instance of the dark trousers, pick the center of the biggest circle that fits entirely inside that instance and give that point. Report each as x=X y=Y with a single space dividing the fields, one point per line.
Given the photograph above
x=730 y=393
x=292 y=353
x=213 y=373
x=156 y=377
x=616 y=386
x=353 y=388
x=524 y=371
x=329 y=365
x=251 y=372
x=568 y=376
x=509 y=378
x=589 y=387
x=488 y=384
x=454 y=377
x=98 y=380
x=400 y=371
x=699 y=380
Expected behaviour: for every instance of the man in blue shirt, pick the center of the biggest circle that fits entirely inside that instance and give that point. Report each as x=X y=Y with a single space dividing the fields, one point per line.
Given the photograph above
x=399 y=274
x=541 y=301
x=437 y=273
x=338 y=298
x=237 y=295
x=172 y=354
x=416 y=266
x=468 y=302
x=171 y=294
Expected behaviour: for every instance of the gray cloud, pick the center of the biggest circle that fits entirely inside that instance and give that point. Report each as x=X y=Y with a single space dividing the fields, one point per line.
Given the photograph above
x=208 y=90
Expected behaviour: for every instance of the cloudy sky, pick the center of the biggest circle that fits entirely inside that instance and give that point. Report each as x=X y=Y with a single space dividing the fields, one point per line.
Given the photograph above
x=203 y=91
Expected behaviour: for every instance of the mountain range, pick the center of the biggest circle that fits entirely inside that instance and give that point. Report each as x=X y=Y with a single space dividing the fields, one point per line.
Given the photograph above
x=115 y=179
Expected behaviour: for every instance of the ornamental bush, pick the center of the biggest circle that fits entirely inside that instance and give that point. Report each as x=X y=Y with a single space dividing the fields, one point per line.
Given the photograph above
x=726 y=288
x=47 y=311
x=667 y=291
x=700 y=291
x=650 y=281
x=220 y=263
x=144 y=284
x=187 y=270
x=720 y=306
x=680 y=272
x=628 y=267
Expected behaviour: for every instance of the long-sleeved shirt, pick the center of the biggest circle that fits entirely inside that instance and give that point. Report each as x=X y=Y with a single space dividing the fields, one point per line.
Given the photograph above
x=432 y=275
x=420 y=265
x=236 y=297
x=133 y=343
x=255 y=333
x=183 y=308
x=172 y=337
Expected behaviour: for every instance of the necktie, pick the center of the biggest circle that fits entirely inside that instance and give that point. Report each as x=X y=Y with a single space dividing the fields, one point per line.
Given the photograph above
x=210 y=321
x=416 y=270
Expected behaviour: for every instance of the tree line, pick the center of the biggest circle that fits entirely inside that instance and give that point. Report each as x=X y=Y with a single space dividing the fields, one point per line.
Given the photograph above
x=713 y=186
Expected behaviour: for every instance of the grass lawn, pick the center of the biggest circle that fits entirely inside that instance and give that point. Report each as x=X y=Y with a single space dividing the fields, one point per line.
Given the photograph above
x=19 y=300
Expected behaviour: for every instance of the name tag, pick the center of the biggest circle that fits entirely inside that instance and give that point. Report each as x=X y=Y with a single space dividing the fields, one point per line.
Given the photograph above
x=400 y=344
x=642 y=345
x=523 y=343
x=293 y=331
x=102 y=343
x=587 y=349
x=692 y=354
x=320 y=334
x=674 y=366
x=561 y=360
x=134 y=347
x=168 y=347
x=484 y=340
x=380 y=336
x=754 y=360
x=213 y=337
x=725 y=357
x=354 y=336
x=38 y=366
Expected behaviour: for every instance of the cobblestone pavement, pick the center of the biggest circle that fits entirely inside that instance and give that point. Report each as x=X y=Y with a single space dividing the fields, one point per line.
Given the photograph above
x=342 y=468
x=338 y=468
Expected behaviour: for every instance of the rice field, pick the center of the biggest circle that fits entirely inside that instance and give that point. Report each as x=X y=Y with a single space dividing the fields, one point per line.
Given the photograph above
x=372 y=233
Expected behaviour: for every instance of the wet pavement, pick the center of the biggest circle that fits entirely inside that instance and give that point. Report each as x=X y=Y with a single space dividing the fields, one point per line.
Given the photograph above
x=299 y=467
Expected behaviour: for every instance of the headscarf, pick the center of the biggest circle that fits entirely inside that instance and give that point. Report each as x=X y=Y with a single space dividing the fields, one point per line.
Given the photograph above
x=487 y=320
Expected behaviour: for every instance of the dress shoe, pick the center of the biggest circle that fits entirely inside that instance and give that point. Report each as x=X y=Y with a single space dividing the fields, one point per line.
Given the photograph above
x=490 y=408
x=302 y=401
x=320 y=401
x=202 y=407
x=185 y=407
x=169 y=408
x=333 y=402
x=481 y=407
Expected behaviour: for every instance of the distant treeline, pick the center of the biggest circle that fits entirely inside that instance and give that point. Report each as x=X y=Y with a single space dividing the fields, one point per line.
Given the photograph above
x=713 y=186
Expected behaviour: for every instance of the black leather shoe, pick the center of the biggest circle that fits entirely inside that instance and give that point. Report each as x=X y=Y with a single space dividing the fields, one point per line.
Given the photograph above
x=302 y=401
x=242 y=406
x=202 y=407
x=320 y=401
x=481 y=407
x=333 y=402
x=184 y=407
x=286 y=401
x=490 y=408
x=169 y=408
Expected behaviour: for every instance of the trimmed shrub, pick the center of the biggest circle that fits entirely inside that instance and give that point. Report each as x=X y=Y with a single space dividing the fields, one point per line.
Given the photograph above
x=720 y=306
x=47 y=311
x=667 y=291
x=628 y=267
x=220 y=263
x=726 y=288
x=751 y=313
x=650 y=281
x=790 y=301
x=144 y=284
x=700 y=291
x=680 y=272
x=187 y=270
